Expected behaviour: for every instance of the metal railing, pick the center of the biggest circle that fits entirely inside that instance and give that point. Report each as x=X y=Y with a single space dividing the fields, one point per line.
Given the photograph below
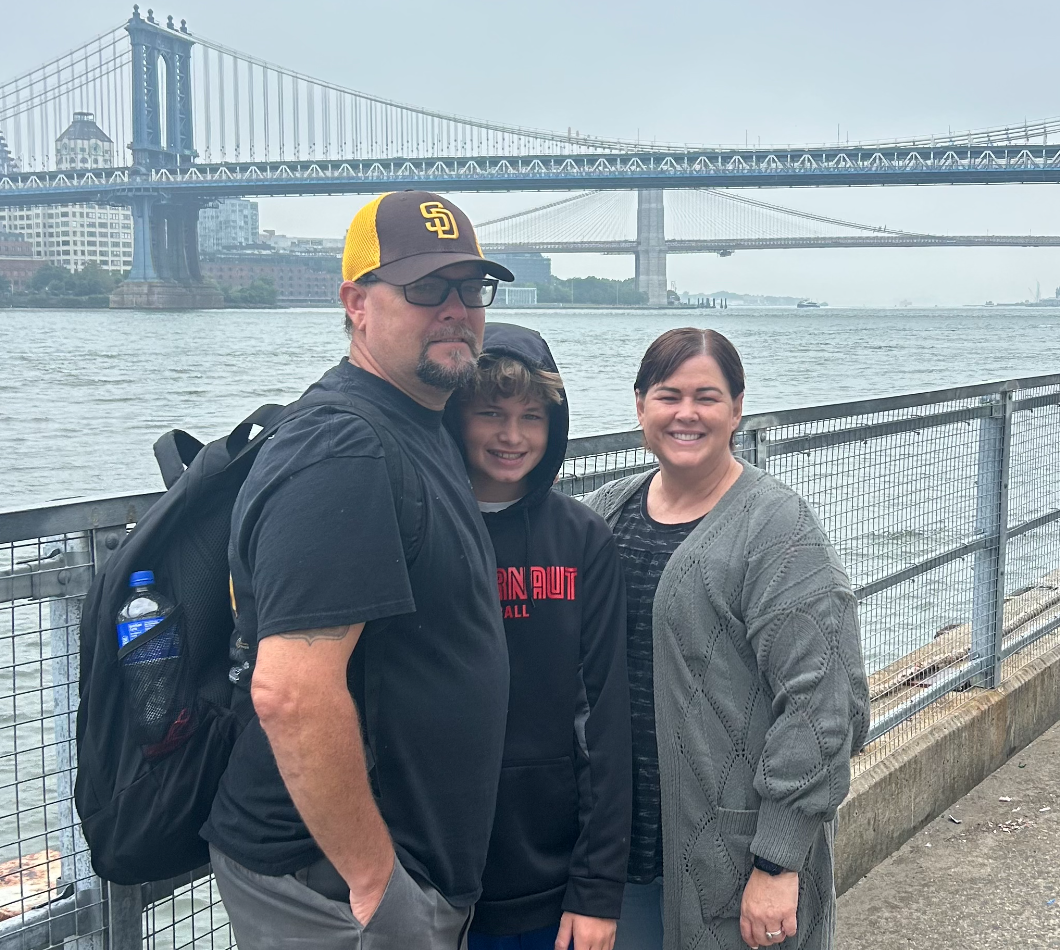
x=944 y=506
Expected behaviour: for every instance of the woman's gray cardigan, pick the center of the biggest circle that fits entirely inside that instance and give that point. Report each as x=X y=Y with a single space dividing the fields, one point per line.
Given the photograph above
x=760 y=701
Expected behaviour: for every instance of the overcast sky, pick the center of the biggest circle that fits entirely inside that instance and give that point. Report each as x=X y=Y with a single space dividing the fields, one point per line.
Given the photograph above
x=702 y=72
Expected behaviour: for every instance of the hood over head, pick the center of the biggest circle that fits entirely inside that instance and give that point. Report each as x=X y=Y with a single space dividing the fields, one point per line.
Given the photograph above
x=529 y=348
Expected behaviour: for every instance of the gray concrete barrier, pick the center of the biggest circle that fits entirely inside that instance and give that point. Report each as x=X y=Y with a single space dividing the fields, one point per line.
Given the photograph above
x=898 y=795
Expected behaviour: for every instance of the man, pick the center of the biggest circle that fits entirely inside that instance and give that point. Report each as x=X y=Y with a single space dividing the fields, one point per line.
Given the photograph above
x=356 y=809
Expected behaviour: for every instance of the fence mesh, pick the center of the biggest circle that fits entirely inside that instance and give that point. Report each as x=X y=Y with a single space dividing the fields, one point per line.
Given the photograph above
x=930 y=502
x=192 y=916
x=45 y=876
x=1032 y=558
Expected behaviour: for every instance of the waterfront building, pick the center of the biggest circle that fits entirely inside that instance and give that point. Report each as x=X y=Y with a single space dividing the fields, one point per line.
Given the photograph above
x=297 y=245
x=527 y=268
x=232 y=223
x=300 y=279
x=7 y=161
x=17 y=263
x=515 y=296
x=75 y=235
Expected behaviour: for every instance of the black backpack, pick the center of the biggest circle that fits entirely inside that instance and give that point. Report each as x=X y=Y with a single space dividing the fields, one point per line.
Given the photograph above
x=155 y=731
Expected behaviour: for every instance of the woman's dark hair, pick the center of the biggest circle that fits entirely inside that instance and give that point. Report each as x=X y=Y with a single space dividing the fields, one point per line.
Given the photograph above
x=666 y=354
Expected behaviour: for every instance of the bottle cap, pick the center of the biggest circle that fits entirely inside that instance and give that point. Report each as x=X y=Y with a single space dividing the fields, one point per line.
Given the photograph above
x=141 y=578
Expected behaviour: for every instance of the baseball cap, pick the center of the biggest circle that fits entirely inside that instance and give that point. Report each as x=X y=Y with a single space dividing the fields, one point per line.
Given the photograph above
x=405 y=235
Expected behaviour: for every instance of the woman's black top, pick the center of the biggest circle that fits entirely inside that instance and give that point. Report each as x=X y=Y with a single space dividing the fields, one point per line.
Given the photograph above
x=645 y=547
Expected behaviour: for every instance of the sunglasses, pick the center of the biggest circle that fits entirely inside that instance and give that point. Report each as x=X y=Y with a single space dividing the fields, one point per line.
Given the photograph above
x=433 y=291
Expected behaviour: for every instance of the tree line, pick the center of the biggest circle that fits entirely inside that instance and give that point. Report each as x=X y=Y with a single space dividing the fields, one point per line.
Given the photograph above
x=54 y=286
x=590 y=290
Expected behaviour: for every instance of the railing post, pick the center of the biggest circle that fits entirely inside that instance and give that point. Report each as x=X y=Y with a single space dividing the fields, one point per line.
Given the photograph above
x=761 y=447
x=991 y=523
x=76 y=869
x=124 y=917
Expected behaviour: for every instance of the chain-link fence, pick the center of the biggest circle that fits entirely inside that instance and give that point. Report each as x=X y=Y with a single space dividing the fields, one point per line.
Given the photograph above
x=945 y=508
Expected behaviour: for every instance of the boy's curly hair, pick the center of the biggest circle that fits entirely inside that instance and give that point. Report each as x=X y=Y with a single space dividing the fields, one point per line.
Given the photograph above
x=503 y=377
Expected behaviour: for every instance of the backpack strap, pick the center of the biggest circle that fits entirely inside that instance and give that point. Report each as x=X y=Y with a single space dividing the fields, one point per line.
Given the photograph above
x=268 y=417
x=405 y=487
x=174 y=452
x=176 y=449
x=404 y=483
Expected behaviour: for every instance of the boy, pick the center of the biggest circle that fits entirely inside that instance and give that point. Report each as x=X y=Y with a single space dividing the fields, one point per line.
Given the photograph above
x=556 y=865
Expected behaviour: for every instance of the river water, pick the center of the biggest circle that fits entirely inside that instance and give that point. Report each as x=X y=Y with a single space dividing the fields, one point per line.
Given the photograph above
x=83 y=395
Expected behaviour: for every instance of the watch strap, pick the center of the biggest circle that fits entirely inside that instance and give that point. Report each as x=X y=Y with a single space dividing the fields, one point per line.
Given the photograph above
x=769 y=867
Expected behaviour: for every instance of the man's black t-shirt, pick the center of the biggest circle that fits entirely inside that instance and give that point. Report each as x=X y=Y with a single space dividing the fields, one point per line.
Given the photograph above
x=315 y=543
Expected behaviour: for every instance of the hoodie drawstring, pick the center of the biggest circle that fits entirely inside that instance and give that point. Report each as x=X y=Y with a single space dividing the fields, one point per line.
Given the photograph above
x=526 y=551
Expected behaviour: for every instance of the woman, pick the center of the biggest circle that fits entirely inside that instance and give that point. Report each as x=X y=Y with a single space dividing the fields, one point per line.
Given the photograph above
x=747 y=686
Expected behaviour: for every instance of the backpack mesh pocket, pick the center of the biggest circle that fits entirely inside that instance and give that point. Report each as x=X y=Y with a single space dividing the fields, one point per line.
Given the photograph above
x=153 y=675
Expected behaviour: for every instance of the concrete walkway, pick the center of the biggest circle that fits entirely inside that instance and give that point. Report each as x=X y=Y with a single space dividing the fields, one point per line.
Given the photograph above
x=991 y=882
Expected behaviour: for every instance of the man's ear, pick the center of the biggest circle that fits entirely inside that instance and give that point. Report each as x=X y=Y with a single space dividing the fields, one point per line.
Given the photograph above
x=354 y=299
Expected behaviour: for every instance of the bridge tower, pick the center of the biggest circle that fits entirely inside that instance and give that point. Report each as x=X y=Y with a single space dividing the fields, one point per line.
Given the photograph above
x=651 y=246
x=165 y=274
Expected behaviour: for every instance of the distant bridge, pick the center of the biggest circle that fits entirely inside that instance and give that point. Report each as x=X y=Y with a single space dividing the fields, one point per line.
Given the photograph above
x=654 y=224
x=724 y=247
x=225 y=123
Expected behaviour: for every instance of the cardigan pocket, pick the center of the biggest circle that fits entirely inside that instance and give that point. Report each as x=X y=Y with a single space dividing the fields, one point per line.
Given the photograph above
x=726 y=866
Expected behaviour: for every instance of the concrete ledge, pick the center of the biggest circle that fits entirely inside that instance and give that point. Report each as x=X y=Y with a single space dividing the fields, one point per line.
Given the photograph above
x=897 y=796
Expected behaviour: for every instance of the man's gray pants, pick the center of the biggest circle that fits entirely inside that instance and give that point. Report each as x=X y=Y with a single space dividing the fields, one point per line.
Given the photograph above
x=282 y=913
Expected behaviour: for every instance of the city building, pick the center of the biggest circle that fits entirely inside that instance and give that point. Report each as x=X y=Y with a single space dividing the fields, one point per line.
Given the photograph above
x=75 y=235
x=300 y=279
x=84 y=145
x=233 y=223
x=7 y=161
x=17 y=263
x=527 y=268
x=515 y=296
x=282 y=242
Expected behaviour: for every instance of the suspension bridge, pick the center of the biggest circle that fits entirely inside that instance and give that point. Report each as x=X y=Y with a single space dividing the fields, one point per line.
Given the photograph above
x=222 y=123
x=651 y=224
x=704 y=221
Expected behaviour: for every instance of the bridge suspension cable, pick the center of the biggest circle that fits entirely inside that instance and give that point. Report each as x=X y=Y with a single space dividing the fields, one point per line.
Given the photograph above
x=601 y=217
x=249 y=110
x=282 y=114
x=37 y=106
x=358 y=125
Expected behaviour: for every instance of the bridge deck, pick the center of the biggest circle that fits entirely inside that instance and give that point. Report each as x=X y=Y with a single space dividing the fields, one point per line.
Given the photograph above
x=986 y=882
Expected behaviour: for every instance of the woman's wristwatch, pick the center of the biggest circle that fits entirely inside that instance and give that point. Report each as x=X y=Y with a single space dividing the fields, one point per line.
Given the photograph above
x=769 y=867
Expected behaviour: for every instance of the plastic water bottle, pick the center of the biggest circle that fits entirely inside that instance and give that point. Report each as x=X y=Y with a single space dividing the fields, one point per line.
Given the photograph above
x=144 y=609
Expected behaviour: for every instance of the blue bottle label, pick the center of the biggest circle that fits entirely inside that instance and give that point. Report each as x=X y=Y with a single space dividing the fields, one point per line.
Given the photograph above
x=131 y=629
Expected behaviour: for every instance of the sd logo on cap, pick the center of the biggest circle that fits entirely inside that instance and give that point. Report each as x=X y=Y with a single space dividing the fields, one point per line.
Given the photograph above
x=439 y=219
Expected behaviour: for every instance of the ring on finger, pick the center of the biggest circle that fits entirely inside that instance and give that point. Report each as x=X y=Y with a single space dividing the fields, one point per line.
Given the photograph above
x=773 y=936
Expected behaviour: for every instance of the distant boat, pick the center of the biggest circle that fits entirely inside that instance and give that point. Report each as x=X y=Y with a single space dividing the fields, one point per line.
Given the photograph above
x=802 y=304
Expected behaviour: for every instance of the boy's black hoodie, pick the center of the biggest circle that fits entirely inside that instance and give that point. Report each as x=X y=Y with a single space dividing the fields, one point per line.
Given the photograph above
x=561 y=834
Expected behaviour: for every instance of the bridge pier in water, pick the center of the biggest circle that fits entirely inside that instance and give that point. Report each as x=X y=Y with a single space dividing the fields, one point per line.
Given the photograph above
x=165 y=274
x=651 y=246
